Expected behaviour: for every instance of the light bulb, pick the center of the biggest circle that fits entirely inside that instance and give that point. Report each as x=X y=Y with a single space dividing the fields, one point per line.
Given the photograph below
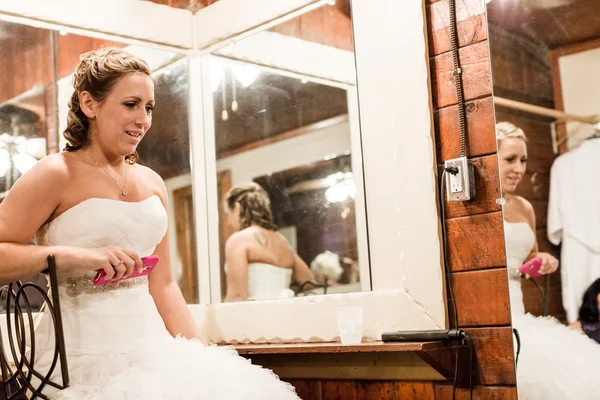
x=336 y=193
x=246 y=74
x=224 y=115
x=234 y=105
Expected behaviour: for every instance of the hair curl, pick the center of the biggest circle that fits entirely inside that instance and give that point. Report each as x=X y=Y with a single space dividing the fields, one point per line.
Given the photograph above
x=255 y=206
x=97 y=73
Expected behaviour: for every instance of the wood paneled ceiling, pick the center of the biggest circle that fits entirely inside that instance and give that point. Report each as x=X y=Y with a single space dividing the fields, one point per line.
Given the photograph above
x=556 y=23
x=272 y=105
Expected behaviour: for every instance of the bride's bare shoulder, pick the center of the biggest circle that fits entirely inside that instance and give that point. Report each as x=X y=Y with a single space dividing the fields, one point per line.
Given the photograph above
x=152 y=179
x=53 y=166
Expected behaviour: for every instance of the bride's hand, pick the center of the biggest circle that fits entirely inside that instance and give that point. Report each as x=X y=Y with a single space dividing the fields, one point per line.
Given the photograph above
x=115 y=261
x=549 y=263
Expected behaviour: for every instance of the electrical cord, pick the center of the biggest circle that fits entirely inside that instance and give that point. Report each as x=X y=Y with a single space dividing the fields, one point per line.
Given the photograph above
x=518 y=339
x=454 y=171
x=458 y=78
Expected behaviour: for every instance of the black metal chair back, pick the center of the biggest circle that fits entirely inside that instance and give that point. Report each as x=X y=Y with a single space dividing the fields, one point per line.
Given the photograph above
x=20 y=379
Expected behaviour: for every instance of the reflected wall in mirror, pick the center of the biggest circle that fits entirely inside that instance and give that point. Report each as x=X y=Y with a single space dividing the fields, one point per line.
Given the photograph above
x=27 y=108
x=289 y=176
x=546 y=71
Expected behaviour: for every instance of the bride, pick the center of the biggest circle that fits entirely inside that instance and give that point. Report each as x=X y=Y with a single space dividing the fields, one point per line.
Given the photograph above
x=261 y=263
x=555 y=362
x=93 y=207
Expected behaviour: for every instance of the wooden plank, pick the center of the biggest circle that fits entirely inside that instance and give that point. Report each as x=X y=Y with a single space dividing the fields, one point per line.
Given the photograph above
x=334 y=348
x=482 y=297
x=348 y=366
x=476 y=242
x=307 y=389
x=487 y=190
x=475 y=74
x=481 y=133
x=471 y=25
x=376 y=390
x=495 y=355
x=444 y=392
x=444 y=361
x=414 y=390
x=340 y=390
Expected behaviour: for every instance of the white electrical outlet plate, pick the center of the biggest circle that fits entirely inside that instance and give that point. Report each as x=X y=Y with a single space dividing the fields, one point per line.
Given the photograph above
x=460 y=186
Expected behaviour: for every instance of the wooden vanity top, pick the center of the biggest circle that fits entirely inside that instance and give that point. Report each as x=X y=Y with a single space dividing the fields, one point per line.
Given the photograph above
x=336 y=347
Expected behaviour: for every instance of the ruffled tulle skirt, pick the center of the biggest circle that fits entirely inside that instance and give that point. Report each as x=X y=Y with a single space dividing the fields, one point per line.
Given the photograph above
x=555 y=361
x=118 y=348
x=177 y=369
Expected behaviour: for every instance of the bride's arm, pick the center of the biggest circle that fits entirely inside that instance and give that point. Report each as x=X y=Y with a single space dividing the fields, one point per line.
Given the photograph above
x=236 y=257
x=549 y=262
x=166 y=294
x=28 y=205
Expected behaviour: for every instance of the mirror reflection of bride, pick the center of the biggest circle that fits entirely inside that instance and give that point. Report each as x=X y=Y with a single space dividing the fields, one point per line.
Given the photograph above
x=260 y=263
x=554 y=361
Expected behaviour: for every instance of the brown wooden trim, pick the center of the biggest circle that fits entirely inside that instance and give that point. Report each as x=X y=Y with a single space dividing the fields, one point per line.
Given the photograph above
x=306 y=348
x=363 y=366
x=481 y=133
x=476 y=242
x=554 y=55
x=443 y=360
x=285 y=135
x=471 y=26
x=495 y=355
x=476 y=75
x=482 y=297
x=340 y=390
x=444 y=392
x=576 y=48
x=185 y=238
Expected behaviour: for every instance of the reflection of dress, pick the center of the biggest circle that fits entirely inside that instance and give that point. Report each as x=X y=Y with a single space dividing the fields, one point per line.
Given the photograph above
x=266 y=281
x=555 y=362
x=117 y=344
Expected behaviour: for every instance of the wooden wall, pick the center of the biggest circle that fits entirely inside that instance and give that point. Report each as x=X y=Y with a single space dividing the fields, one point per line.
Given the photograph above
x=475 y=229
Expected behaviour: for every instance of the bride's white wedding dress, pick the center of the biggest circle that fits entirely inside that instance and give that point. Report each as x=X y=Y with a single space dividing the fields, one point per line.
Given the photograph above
x=555 y=362
x=117 y=344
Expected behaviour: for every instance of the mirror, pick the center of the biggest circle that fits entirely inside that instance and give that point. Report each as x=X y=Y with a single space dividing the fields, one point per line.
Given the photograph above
x=27 y=108
x=289 y=198
x=545 y=58
x=33 y=109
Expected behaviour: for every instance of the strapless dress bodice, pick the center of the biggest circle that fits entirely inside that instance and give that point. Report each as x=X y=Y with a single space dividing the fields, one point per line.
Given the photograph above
x=98 y=222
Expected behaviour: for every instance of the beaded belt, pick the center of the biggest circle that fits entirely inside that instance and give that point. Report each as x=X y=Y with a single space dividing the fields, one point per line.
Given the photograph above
x=84 y=284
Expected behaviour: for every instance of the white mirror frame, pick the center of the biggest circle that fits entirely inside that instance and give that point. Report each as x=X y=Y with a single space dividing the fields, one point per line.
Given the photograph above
x=397 y=145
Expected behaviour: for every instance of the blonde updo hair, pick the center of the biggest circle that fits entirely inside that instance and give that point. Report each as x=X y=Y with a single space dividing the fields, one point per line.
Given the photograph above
x=506 y=130
x=97 y=73
x=255 y=206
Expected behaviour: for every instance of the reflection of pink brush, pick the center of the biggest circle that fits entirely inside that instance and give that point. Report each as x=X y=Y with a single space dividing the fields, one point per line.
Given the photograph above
x=148 y=264
x=532 y=268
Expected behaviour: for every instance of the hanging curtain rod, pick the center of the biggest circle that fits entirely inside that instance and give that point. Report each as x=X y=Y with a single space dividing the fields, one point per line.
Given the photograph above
x=548 y=112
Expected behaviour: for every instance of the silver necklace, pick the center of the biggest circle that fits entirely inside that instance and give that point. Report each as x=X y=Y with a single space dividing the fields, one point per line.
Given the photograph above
x=122 y=189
